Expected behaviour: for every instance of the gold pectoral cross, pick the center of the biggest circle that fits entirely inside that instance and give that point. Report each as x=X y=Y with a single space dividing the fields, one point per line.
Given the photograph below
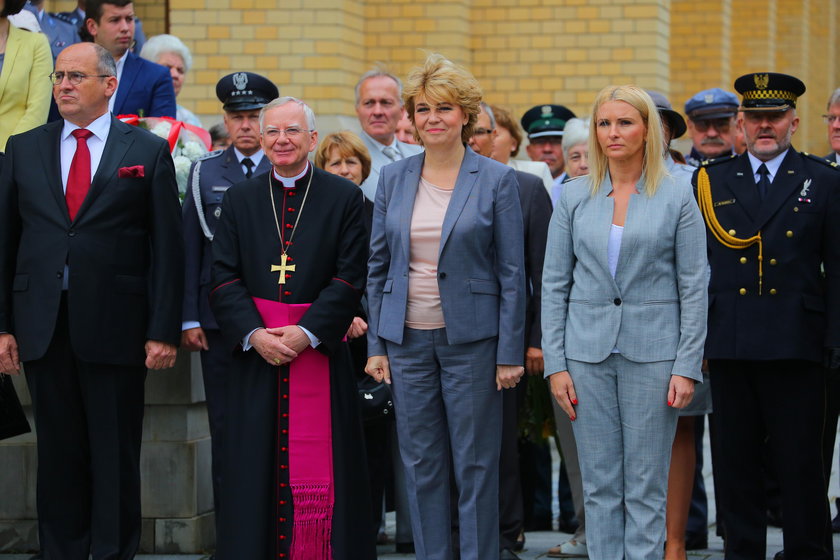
x=283 y=268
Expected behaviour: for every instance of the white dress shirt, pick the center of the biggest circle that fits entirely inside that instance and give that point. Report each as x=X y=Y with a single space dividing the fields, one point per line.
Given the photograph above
x=120 y=66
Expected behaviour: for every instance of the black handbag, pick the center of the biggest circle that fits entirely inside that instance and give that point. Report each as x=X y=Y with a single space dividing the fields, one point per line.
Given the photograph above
x=12 y=419
x=375 y=400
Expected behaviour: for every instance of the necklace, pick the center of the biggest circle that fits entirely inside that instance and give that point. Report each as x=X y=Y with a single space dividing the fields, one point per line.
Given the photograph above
x=283 y=268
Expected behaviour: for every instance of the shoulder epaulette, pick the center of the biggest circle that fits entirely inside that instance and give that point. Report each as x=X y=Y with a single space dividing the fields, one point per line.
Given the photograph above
x=717 y=160
x=209 y=155
x=72 y=20
x=822 y=160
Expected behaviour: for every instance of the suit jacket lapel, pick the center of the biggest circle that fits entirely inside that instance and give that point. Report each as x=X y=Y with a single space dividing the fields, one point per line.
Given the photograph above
x=601 y=225
x=115 y=149
x=129 y=74
x=789 y=178
x=463 y=187
x=231 y=170
x=51 y=157
x=407 y=192
x=741 y=187
x=12 y=50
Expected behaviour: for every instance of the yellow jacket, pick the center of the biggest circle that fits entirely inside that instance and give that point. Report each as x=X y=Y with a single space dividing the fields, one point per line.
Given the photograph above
x=25 y=87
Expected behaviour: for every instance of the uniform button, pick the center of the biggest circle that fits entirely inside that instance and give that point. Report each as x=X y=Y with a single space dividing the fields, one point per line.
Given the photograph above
x=617 y=301
x=743 y=260
x=773 y=262
x=59 y=275
x=442 y=275
x=732 y=232
x=789 y=233
x=742 y=291
x=773 y=291
x=71 y=233
x=796 y=208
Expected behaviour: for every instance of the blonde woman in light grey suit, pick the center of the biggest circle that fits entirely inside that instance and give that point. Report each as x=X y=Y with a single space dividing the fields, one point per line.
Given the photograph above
x=624 y=321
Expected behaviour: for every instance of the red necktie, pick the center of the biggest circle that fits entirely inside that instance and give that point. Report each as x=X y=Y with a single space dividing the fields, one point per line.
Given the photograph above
x=78 y=181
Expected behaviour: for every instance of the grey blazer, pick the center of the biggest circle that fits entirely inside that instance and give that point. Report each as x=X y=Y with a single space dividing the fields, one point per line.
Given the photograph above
x=378 y=160
x=480 y=265
x=655 y=308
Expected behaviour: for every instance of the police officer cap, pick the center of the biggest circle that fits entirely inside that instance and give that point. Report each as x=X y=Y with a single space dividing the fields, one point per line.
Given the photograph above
x=675 y=121
x=769 y=91
x=546 y=120
x=712 y=103
x=245 y=91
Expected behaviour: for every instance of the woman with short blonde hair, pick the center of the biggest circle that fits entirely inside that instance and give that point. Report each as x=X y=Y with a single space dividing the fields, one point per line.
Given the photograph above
x=446 y=302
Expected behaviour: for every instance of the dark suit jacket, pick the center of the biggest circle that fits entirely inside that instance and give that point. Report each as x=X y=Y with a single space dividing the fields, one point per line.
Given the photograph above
x=536 y=214
x=145 y=87
x=124 y=249
x=798 y=311
x=217 y=173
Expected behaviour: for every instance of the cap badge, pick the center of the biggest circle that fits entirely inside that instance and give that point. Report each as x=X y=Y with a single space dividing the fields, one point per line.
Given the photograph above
x=761 y=80
x=240 y=80
x=709 y=97
x=547 y=112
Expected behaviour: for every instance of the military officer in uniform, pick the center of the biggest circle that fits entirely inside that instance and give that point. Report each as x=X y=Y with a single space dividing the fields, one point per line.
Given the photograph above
x=773 y=220
x=59 y=33
x=711 y=124
x=243 y=94
x=544 y=125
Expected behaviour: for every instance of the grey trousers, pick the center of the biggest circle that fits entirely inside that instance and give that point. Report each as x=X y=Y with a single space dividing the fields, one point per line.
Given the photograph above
x=566 y=437
x=445 y=397
x=624 y=432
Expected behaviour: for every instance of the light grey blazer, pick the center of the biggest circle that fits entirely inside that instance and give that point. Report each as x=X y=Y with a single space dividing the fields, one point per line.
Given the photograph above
x=480 y=265
x=378 y=160
x=655 y=308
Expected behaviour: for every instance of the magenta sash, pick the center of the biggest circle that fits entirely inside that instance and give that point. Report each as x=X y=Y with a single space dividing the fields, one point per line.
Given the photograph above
x=310 y=439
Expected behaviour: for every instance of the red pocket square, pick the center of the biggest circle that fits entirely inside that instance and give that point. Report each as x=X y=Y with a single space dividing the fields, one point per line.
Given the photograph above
x=133 y=171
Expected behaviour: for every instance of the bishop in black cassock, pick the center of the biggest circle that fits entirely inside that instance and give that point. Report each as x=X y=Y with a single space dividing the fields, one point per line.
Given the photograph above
x=321 y=226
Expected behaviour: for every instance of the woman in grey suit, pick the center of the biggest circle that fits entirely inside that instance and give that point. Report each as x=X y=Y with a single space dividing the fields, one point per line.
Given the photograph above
x=446 y=311
x=624 y=321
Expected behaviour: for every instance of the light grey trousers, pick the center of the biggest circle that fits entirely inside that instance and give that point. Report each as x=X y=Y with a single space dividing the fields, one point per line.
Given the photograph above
x=447 y=393
x=624 y=432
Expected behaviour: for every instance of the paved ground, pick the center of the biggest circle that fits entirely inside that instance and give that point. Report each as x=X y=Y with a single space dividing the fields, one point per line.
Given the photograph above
x=538 y=543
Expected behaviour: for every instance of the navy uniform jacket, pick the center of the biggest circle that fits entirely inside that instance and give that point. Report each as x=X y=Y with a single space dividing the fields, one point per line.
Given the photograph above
x=59 y=33
x=219 y=171
x=797 y=314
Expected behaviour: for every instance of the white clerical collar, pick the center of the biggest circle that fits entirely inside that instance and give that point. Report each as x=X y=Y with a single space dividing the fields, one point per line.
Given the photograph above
x=289 y=182
x=772 y=165
x=256 y=157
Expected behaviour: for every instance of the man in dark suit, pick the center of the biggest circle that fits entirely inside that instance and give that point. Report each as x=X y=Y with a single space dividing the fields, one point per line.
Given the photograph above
x=774 y=320
x=536 y=214
x=832 y=119
x=91 y=279
x=243 y=95
x=145 y=88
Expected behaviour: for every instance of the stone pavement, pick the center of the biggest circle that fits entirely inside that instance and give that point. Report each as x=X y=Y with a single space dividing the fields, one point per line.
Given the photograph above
x=537 y=543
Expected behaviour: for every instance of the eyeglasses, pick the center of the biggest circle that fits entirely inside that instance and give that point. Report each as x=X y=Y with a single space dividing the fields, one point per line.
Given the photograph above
x=721 y=125
x=291 y=132
x=482 y=131
x=75 y=78
x=830 y=119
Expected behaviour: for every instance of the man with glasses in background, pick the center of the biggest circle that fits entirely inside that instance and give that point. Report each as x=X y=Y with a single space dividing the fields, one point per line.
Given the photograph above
x=711 y=124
